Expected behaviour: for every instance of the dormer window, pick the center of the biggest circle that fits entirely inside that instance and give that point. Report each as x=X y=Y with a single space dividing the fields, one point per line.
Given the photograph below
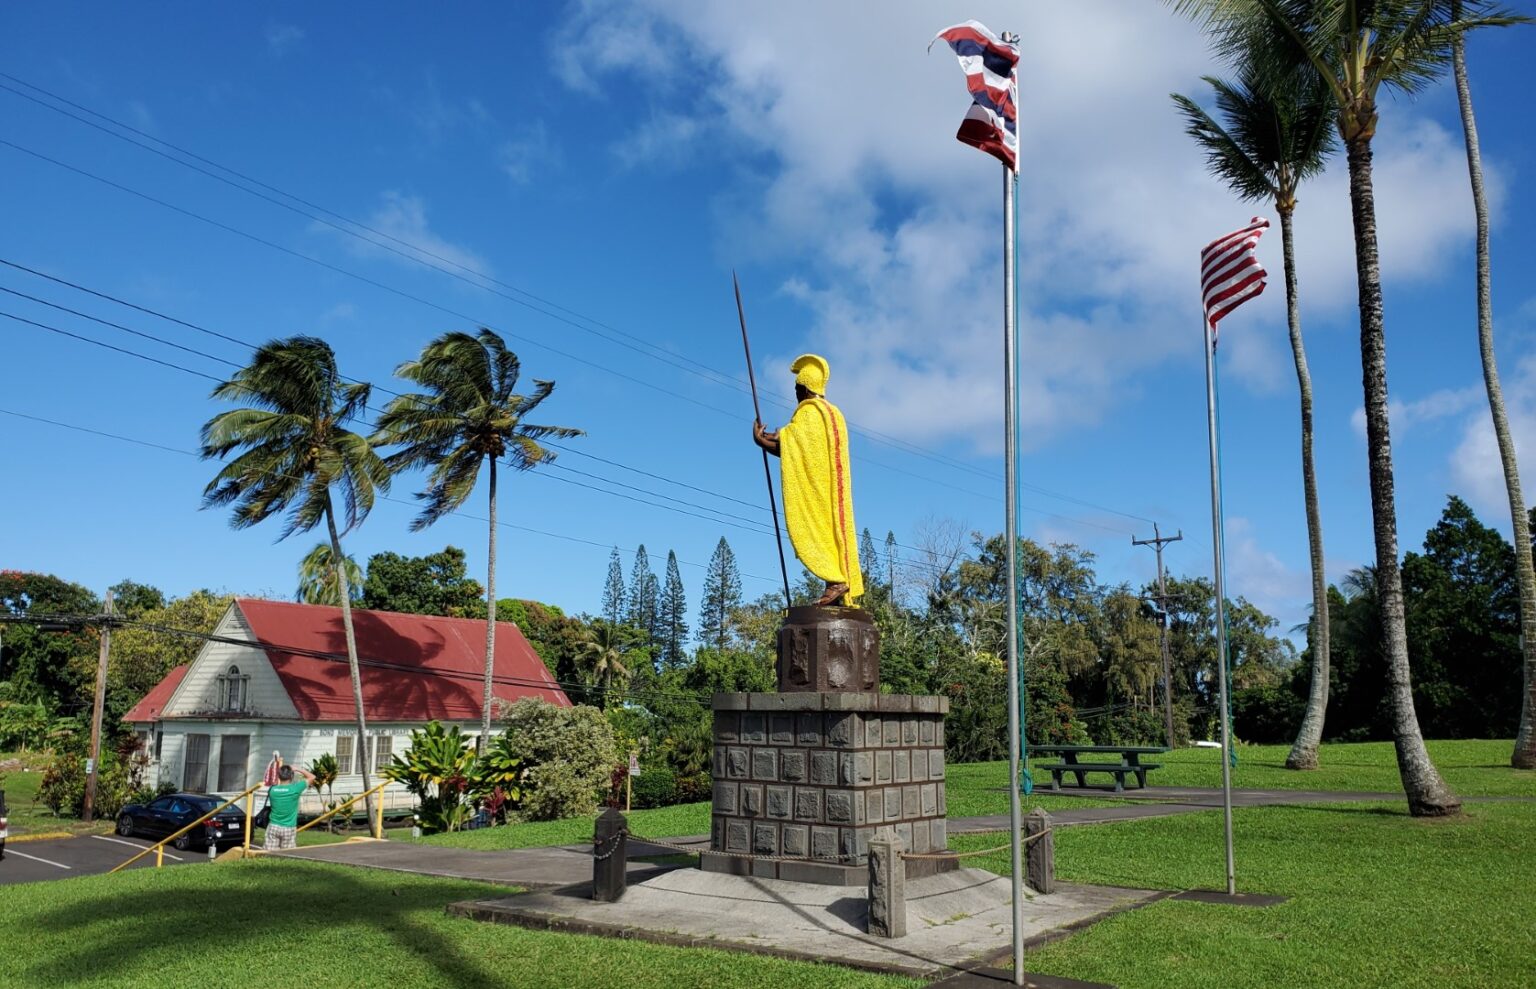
x=232 y=687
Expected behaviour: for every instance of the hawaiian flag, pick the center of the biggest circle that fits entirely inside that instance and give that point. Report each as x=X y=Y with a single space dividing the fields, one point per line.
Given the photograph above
x=1230 y=273
x=992 y=122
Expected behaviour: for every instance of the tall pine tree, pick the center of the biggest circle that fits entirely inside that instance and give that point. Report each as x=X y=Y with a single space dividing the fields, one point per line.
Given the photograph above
x=890 y=562
x=674 y=617
x=644 y=608
x=869 y=558
x=613 y=590
x=722 y=595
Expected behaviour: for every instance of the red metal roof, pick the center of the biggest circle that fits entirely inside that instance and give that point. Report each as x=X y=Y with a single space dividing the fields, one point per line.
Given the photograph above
x=153 y=703
x=436 y=665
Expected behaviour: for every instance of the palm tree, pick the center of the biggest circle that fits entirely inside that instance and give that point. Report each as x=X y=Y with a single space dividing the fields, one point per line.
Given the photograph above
x=1357 y=47
x=470 y=414
x=295 y=448
x=1524 y=755
x=1272 y=136
x=603 y=658
x=318 y=582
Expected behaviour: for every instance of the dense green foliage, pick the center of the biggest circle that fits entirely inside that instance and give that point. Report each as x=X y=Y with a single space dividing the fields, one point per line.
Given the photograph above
x=435 y=584
x=570 y=754
x=1463 y=643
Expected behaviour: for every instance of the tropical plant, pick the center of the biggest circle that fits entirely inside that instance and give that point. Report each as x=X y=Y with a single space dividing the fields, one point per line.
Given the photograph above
x=325 y=770
x=1524 y=754
x=499 y=772
x=438 y=769
x=295 y=447
x=1272 y=134
x=470 y=414
x=319 y=580
x=603 y=659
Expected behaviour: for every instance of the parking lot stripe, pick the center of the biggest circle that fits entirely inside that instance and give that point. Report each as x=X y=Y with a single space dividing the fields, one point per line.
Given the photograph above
x=56 y=865
x=102 y=837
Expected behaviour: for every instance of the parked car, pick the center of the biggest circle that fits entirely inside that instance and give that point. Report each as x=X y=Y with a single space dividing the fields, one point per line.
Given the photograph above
x=166 y=815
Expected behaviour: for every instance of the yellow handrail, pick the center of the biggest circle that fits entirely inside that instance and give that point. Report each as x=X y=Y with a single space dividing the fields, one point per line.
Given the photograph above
x=159 y=848
x=377 y=825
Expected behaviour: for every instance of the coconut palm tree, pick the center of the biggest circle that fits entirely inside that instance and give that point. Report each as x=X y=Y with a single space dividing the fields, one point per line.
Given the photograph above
x=318 y=580
x=470 y=414
x=295 y=448
x=603 y=658
x=1271 y=136
x=1357 y=48
x=1524 y=755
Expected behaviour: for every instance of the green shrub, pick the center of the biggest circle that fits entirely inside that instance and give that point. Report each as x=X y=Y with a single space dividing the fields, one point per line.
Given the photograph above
x=118 y=783
x=569 y=752
x=436 y=769
x=656 y=786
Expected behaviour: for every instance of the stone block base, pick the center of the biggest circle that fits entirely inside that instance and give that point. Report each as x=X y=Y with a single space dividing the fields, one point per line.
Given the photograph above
x=821 y=873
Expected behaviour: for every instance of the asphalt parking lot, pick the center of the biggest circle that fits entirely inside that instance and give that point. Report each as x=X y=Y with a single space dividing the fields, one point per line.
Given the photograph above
x=87 y=855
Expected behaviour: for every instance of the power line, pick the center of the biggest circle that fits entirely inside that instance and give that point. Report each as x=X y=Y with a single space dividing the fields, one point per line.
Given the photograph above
x=716 y=494
x=399 y=501
x=709 y=373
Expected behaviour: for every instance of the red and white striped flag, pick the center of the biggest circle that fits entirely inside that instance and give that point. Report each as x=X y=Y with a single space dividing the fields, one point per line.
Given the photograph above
x=992 y=122
x=1230 y=273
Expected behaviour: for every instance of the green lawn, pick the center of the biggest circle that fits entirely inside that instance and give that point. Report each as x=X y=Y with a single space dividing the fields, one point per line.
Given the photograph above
x=977 y=789
x=27 y=816
x=1470 y=767
x=306 y=925
x=1378 y=899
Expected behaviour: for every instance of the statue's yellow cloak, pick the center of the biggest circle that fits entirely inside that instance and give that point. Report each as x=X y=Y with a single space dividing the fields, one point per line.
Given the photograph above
x=818 y=494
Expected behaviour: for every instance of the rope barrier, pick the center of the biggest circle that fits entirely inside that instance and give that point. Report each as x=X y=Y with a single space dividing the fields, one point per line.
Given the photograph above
x=692 y=849
x=982 y=851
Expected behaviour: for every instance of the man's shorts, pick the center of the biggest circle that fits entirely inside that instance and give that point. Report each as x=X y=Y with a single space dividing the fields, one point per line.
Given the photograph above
x=279 y=838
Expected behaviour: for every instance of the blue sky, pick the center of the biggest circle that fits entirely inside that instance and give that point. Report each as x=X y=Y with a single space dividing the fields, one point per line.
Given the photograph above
x=617 y=161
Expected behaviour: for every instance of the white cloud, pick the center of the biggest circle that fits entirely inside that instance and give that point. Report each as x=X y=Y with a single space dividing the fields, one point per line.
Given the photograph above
x=404 y=218
x=283 y=38
x=1405 y=415
x=664 y=138
x=1475 y=463
x=340 y=312
x=520 y=156
x=1257 y=574
x=852 y=168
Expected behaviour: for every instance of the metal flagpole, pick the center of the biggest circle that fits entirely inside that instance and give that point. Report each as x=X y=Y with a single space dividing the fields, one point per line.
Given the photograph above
x=773 y=501
x=1011 y=541
x=1221 y=600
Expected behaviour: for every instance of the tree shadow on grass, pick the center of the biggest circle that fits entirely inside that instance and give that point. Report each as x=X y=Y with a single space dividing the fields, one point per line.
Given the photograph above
x=271 y=908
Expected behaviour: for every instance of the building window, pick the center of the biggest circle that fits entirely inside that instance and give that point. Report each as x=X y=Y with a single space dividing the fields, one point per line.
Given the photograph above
x=234 y=753
x=383 y=752
x=159 y=743
x=232 y=690
x=194 y=776
x=344 y=755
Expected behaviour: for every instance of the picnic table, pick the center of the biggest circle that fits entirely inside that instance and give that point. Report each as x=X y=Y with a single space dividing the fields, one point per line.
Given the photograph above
x=1129 y=762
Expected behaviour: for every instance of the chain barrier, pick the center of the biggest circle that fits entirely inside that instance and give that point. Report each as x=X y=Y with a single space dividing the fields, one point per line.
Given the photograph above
x=693 y=849
x=982 y=851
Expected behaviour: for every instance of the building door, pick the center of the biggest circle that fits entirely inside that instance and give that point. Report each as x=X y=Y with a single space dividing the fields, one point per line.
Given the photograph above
x=194 y=776
x=234 y=752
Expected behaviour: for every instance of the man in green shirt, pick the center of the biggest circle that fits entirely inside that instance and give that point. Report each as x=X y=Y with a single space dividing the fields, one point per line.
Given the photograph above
x=284 y=800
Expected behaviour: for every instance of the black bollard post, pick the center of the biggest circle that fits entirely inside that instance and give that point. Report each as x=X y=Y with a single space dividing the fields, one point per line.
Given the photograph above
x=1040 y=854
x=609 y=838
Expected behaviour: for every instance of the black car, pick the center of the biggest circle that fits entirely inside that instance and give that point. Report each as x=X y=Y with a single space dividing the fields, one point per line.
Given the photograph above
x=166 y=815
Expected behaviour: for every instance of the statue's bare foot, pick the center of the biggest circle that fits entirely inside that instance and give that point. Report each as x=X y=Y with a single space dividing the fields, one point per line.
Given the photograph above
x=834 y=593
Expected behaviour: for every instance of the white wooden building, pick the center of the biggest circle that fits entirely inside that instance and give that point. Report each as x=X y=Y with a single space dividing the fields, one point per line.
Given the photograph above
x=211 y=726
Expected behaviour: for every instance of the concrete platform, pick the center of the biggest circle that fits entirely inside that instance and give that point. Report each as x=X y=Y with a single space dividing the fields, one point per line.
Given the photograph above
x=955 y=920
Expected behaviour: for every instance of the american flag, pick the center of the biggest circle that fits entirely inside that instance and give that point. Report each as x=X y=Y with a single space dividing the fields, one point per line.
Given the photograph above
x=1230 y=273
x=992 y=122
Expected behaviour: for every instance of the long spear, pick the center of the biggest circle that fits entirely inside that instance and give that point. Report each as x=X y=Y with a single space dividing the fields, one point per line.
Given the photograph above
x=757 y=412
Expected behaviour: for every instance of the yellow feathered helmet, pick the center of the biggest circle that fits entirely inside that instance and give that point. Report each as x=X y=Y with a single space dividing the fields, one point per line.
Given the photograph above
x=812 y=372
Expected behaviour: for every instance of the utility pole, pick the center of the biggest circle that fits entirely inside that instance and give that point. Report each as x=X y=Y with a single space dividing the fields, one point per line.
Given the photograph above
x=93 y=764
x=1157 y=542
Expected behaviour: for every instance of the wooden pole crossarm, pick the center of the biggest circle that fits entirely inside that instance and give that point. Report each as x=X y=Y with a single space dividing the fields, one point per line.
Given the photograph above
x=343 y=806
x=159 y=848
